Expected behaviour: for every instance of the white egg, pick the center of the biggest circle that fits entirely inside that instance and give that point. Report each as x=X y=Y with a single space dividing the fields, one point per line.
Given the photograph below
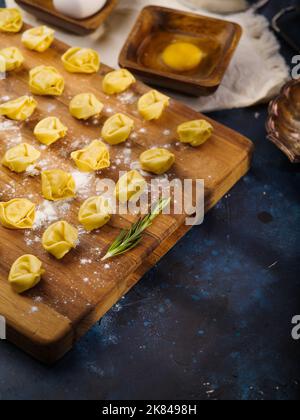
x=79 y=9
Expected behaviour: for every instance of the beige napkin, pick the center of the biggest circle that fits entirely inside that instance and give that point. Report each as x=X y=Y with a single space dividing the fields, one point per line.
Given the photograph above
x=255 y=74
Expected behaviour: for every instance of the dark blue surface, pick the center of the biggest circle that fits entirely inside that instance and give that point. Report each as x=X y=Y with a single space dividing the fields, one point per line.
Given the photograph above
x=213 y=319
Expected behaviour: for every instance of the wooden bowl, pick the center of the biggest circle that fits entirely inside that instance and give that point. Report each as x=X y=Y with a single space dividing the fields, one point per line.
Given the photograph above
x=157 y=27
x=283 y=124
x=44 y=10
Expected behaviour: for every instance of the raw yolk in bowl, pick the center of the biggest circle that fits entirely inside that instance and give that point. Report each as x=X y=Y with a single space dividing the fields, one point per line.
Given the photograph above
x=182 y=56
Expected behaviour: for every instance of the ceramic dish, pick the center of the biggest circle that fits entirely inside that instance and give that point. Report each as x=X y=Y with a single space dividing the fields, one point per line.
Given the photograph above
x=45 y=10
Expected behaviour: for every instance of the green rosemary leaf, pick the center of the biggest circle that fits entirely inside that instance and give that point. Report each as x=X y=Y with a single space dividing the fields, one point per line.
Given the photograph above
x=129 y=239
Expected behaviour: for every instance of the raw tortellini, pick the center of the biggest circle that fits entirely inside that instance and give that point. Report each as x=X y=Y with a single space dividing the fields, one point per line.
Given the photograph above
x=117 y=81
x=157 y=161
x=152 y=105
x=93 y=158
x=58 y=185
x=117 y=129
x=49 y=130
x=25 y=273
x=81 y=60
x=44 y=80
x=59 y=239
x=85 y=106
x=13 y=58
x=18 y=213
x=2 y=65
x=20 y=157
x=94 y=213
x=130 y=186
x=195 y=132
x=10 y=20
x=38 y=39
x=19 y=109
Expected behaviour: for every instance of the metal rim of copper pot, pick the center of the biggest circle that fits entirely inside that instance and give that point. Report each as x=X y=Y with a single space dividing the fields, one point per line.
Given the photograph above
x=272 y=132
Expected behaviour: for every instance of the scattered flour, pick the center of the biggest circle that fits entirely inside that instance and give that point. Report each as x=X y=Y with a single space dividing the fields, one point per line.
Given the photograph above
x=34 y=309
x=133 y=136
x=85 y=261
x=136 y=166
x=32 y=171
x=48 y=212
x=127 y=156
x=44 y=164
x=30 y=239
x=15 y=137
x=4 y=98
x=83 y=182
x=51 y=107
x=127 y=98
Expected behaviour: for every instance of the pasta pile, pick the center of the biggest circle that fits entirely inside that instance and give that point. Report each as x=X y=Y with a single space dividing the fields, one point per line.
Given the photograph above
x=19 y=214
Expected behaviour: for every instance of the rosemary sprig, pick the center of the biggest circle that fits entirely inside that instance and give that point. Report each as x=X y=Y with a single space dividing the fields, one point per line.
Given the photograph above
x=129 y=239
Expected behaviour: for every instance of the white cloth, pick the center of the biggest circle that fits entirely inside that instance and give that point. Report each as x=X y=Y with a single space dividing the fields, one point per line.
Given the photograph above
x=255 y=74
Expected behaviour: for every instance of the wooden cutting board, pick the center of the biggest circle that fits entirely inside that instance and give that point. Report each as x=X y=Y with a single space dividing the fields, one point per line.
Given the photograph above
x=75 y=293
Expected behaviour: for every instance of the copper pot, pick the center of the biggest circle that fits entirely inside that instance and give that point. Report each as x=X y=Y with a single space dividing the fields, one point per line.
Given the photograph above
x=283 y=124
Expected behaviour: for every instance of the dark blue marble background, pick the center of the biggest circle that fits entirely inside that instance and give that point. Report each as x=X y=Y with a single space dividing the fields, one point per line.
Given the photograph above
x=213 y=319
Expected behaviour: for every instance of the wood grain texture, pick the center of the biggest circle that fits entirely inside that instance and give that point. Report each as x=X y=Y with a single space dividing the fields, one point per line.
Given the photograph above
x=74 y=293
x=44 y=10
x=157 y=27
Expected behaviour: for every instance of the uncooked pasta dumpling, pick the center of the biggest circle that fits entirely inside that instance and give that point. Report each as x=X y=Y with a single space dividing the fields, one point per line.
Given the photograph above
x=19 y=109
x=117 y=129
x=2 y=65
x=47 y=81
x=49 y=130
x=85 y=106
x=58 y=185
x=10 y=20
x=20 y=157
x=195 y=132
x=59 y=239
x=13 y=58
x=130 y=186
x=93 y=158
x=81 y=60
x=18 y=213
x=157 y=161
x=117 y=81
x=152 y=105
x=94 y=213
x=38 y=39
x=25 y=273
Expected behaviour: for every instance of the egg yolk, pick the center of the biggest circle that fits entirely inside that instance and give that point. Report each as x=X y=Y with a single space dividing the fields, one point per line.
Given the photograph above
x=182 y=56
